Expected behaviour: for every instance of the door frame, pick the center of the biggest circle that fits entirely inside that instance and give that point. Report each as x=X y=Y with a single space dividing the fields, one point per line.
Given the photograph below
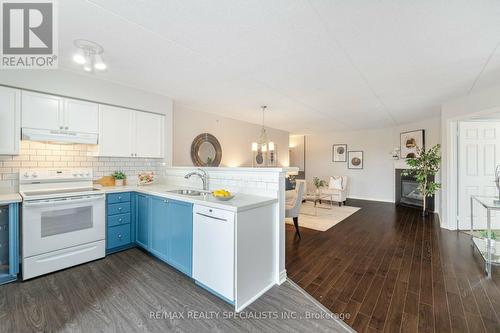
x=451 y=165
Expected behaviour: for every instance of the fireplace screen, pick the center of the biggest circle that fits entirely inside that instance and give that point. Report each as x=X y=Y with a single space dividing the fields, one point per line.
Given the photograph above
x=410 y=193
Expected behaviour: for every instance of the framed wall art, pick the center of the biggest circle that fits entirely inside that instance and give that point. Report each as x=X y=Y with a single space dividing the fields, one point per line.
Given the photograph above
x=355 y=159
x=409 y=142
x=339 y=153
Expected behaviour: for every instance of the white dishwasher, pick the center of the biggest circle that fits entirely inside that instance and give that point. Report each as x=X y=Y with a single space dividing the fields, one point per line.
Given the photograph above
x=213 y=250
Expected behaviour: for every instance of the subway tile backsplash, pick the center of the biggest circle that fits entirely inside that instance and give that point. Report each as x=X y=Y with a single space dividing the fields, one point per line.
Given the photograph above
x=46 y=155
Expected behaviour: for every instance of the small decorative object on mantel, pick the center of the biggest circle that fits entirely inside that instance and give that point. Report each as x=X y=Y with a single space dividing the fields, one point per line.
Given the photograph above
x=497 y=182
x=119 y=177
x=339 y=153
x=423 y=167
x=146 y=178
x=355 y=159
x=409 y=142
x=395 y=153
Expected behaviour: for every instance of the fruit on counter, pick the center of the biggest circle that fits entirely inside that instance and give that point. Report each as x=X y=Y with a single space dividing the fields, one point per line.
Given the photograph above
x=221 y=193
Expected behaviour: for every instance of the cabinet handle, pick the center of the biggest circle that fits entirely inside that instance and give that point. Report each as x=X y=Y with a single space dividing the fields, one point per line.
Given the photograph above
x=119 y=220
x=66 y=127
x=119 y=208
x=61 y=127
x=119 y=198
x=119 y=236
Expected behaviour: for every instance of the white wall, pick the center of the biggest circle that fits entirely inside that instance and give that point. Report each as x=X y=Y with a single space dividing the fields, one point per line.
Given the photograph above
x=235 y=137
x=65 y=83
x=376 y=180
x=297 y=151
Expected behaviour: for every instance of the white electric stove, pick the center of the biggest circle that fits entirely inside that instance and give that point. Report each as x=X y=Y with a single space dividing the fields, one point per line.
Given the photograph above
x=63 y=219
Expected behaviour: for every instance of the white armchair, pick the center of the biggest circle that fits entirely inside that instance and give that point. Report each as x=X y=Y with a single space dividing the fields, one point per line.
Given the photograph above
x=294 y=202
x=336 y=190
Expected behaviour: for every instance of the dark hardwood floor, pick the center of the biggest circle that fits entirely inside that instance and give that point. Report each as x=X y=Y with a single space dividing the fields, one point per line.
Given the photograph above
x=392 y=271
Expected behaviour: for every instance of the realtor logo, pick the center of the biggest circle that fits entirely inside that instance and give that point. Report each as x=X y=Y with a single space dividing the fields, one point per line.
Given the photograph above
x=29 y=39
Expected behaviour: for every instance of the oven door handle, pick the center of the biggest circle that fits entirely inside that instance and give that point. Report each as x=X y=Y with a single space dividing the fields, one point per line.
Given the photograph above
x=62 y=201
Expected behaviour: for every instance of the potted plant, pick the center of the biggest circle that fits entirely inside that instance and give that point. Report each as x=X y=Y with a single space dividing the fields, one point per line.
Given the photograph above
x=318 y=183
x=423 y=166
x=119 y=178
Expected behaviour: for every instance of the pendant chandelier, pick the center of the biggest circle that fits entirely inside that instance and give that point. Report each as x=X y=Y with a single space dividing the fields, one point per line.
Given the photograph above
x=263 y=149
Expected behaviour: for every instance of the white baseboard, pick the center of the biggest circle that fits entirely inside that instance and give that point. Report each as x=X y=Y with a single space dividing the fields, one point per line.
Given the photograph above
x=283 y=276
x=239 y=308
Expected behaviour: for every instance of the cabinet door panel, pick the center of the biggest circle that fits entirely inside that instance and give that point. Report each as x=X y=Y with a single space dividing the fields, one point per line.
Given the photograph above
x=180 y=236
x=41 y=111
x=116 y=136
x=143 y=221
x=159 y=228
x=10 y=121
x=80 y=116
x=149 y=134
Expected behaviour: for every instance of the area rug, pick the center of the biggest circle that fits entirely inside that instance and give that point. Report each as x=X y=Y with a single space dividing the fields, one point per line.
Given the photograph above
x=325 y=218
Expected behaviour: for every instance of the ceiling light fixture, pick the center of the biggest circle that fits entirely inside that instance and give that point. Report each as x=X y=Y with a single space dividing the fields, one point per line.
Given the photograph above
x=89 y=55
x=264 y=150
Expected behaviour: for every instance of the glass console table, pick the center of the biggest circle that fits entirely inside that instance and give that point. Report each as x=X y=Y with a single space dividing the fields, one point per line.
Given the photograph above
x=488 y=248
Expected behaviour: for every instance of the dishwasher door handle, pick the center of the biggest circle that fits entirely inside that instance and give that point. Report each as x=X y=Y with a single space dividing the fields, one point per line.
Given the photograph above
x=211 y=217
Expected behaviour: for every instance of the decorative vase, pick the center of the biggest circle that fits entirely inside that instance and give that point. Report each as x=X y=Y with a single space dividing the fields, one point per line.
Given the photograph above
x=119 y=182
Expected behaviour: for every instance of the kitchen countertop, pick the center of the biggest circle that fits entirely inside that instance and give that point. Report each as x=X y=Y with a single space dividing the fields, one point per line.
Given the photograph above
x=9 y=198
x=240 y=202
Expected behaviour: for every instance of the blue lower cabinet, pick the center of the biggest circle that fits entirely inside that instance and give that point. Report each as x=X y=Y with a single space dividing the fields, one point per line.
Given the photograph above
x=180 y=236
x=9 y=242
x=159 y=228
x=165 y=229
x=143 y=220
x=118 y=236
x=120 y=231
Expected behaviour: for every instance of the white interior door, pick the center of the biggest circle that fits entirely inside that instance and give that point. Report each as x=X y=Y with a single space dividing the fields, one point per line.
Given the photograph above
x=479 y=153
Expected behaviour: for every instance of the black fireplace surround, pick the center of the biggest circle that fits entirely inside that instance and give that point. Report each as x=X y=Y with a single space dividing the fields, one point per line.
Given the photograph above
x=407 y=193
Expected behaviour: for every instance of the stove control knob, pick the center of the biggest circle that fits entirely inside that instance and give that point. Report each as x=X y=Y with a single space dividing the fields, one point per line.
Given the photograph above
x=26 y=175
x=81 y=175
x=34 y=175
x=75 y=175
x=87 y=174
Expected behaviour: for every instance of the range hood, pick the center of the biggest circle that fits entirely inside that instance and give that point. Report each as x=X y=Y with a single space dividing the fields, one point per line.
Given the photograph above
x=62 y=136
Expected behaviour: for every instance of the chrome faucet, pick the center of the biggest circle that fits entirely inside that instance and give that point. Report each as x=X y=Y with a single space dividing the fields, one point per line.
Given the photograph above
x=203 y=176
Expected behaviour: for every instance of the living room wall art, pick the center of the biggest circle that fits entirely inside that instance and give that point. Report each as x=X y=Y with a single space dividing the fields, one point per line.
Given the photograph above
x=409 y=142
x=355 y=159
x=339 y=153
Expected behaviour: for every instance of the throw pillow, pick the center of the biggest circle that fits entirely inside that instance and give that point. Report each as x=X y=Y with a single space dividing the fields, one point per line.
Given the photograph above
x=335 y=183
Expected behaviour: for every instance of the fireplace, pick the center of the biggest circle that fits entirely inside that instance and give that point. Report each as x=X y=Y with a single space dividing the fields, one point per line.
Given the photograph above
x=407 y=193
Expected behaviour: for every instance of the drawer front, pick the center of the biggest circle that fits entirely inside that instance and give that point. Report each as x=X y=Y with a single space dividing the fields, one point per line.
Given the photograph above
x=119 y=219
x=118 y=197
x=119 y=208
x=118 y=236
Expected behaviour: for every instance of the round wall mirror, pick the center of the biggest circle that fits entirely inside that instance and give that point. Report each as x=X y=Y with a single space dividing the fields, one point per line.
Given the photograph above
x=206 y=151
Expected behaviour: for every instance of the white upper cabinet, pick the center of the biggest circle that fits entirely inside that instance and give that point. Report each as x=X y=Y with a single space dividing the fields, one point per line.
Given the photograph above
x=81 y=116
x=42 y=111
x=149 y=134
x=116 y=131
x=10 y=121
x=129 y=133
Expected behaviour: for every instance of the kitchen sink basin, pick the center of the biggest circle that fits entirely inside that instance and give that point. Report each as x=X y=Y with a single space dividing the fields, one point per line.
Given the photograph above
x=191 y=193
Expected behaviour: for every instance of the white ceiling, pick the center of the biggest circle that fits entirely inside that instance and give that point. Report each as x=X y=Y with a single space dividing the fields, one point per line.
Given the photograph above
x=319 y=65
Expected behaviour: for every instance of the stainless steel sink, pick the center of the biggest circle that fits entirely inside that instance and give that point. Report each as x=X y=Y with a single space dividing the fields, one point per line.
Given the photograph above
x=191 y=193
